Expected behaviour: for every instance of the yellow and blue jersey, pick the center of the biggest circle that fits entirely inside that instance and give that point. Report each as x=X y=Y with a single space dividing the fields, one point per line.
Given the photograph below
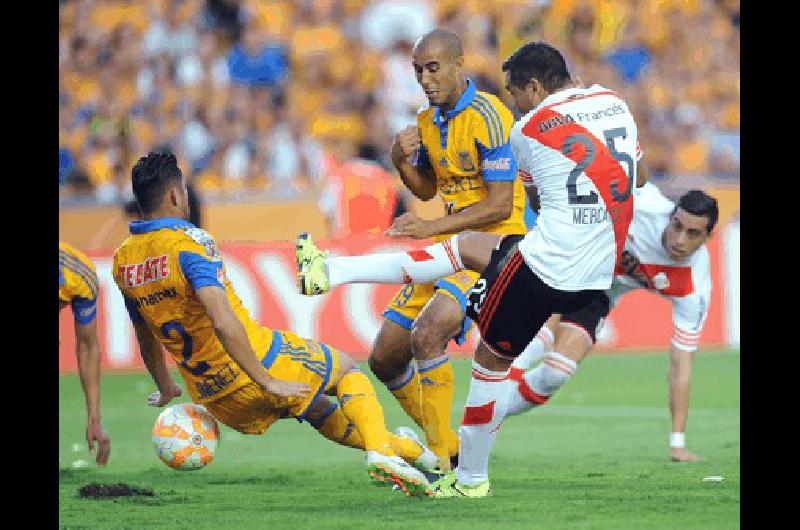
x=77 y=283
x=158 y=269
x=467 y=147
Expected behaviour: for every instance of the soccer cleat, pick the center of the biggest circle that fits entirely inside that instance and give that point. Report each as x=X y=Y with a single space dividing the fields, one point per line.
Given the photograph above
x=448 y=486
x=427 y=461
x=311 y=276
x=394 y=469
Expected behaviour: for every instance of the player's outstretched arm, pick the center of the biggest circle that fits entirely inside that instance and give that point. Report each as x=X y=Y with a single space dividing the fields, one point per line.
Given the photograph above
x=420 y=178
x=153 y=357
x=88 y=353
x=495 y=207
x=232 y=335
x=680 y=374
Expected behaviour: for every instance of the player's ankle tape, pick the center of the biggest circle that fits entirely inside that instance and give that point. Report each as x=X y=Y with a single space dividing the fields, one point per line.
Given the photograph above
x=677 y=439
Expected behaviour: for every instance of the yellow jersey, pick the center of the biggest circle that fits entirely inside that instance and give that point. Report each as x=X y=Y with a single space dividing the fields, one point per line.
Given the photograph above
x=467 y=147
x=77 y=283
x=158 y=268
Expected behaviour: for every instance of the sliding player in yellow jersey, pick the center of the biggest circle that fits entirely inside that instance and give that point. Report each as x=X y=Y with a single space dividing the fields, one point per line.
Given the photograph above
x=248 y=376
x=459 y=149
x=79 y=288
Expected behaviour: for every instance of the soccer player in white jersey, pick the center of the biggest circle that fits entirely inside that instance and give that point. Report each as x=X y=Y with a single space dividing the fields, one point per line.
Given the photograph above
x=578 y=147
x=664 y=253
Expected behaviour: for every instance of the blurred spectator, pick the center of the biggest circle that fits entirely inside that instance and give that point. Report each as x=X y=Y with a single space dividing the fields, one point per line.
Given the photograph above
x=386 y=21
x=630 y=57
x=246 y=91
x=255 y=62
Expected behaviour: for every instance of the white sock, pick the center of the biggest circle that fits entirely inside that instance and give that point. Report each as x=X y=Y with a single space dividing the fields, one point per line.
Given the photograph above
x=536 y=387
x=414 y=266
x=483 y=413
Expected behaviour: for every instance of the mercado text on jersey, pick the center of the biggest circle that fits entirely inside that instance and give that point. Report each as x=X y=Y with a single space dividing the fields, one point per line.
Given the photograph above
x=158 y=268
x=645 y=264
x=77 y=283
x=467 y=147
x=579 y=147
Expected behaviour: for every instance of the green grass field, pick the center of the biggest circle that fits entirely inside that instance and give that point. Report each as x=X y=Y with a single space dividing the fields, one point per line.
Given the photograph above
x=595 y=457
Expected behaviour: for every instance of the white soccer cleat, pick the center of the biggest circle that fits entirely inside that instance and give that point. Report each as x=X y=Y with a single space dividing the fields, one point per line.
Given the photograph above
x=394 y=469
x=427 y=461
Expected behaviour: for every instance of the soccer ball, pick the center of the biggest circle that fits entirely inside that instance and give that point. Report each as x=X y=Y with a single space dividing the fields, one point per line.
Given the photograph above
x=185 y=436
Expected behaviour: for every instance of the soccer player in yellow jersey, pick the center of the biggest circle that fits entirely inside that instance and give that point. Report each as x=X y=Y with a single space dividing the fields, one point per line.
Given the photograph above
x=78 y=287
x=248 y=376
x=460 y=149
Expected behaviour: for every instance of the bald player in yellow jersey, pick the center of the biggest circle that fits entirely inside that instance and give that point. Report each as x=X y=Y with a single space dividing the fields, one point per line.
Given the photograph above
x=79 y=288
x=248 y=376
x=459 y=149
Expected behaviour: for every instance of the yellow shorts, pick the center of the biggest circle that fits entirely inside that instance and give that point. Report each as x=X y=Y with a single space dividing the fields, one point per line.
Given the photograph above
x=409 y=302
x=250 y=410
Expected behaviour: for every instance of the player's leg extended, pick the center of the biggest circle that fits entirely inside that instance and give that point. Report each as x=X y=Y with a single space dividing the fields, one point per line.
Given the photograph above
x=328 y=419
x=317 y=273
x=441 y=320
x=360 y=405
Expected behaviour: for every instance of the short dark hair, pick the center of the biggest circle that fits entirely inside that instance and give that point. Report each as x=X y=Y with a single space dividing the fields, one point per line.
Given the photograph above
x=537 y=60
x=698 y=202
x=150 y=178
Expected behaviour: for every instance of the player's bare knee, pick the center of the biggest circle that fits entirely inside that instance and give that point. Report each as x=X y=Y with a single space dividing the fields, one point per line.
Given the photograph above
x=386 y=364
x=434 y=327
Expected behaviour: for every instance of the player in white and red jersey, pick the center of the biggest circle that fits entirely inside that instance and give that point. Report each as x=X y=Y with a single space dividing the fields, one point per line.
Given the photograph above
x=578 y=146
x=664 y=253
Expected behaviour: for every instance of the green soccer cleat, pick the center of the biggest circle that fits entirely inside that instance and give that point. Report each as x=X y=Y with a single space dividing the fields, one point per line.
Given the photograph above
x=311 y=276
x=394 y=469
x=448 y=487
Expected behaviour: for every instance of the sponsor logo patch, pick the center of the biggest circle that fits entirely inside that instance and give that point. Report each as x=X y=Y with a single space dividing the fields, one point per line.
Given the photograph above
x=501 y=164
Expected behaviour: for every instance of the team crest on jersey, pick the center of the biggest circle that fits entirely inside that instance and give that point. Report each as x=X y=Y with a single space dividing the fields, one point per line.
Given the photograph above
x=204 y=238
x=466 y=161
x=443 y=162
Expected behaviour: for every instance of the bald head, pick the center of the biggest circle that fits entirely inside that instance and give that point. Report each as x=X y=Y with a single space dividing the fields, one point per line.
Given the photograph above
x=445 y=42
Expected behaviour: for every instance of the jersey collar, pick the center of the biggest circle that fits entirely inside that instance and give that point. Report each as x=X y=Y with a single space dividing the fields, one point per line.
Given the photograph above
x=151 y=225
x=562 y=95
x=463 y=102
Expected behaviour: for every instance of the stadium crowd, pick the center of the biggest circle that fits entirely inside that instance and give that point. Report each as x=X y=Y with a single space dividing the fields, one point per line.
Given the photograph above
x=257 y=97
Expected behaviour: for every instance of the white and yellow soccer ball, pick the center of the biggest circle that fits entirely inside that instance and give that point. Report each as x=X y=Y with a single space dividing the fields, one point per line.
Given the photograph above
x=185 y=436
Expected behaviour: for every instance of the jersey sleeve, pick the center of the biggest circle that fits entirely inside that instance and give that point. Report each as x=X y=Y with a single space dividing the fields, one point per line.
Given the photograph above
x=492 y=134
x=83 y=287
x=689 y=312
x=199 y=260
x=518 y=144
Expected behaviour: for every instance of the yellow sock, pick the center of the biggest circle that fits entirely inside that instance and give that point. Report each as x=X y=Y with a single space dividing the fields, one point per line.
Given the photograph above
x=360 y=405
x=407 y=391
x=337 y=428
x=436 y=382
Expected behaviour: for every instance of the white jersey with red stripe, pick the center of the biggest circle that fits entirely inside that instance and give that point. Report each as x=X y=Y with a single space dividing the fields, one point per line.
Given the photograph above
x=645 y=264
x=579 y=147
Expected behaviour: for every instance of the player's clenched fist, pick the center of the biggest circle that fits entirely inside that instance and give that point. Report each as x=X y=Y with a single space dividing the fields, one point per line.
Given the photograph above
x=406 y=143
